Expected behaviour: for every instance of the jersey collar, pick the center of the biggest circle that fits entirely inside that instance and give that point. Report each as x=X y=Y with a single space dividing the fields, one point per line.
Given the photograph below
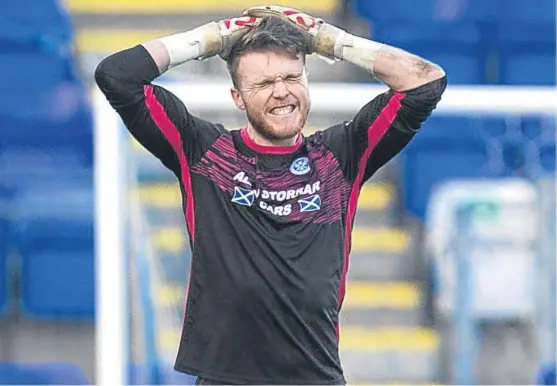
x=265 y=149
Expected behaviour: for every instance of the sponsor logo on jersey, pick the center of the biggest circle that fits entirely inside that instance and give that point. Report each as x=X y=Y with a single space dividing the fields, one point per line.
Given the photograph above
x=244 y=197
x=300 y=166
x=310 y=204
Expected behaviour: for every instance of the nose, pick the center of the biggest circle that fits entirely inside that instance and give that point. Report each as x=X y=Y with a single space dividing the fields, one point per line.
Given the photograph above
x=280 y=91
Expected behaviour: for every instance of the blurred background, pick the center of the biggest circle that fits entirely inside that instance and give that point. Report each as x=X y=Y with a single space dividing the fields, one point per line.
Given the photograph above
x=452 y=275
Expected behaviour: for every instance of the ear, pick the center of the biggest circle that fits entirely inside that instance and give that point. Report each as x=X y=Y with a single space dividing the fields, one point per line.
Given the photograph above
x=237 y=97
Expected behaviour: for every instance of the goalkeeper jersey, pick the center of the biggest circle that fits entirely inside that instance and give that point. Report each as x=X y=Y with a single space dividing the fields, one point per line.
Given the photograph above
x=269 y=227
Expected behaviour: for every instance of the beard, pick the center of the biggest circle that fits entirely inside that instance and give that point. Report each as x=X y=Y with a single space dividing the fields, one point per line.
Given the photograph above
x=267 y=131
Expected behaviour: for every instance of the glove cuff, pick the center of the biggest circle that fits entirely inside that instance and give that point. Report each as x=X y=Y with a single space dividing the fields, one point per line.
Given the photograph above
x=329 y=42
x=210 y=43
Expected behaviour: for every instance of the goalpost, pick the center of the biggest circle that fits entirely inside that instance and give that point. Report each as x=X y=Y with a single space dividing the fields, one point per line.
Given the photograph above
x=213 y=99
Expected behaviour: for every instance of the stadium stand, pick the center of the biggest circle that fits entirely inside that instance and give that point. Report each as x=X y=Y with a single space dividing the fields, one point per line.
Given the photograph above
x=481 y=146
x=497 y=42
x=46 y=197
x=46 y=160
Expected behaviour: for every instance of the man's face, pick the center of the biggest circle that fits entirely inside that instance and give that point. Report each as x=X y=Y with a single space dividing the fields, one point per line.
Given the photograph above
x=273 y=90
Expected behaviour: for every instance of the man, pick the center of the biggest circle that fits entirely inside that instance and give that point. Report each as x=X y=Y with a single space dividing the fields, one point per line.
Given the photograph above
x=269 y=211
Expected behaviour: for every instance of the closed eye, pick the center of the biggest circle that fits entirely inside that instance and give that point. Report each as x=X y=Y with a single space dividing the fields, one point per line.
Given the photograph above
x=293 y=78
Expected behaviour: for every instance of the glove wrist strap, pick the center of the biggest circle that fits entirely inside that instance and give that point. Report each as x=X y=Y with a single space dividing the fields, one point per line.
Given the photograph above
x=359 y=51
x=196 y=44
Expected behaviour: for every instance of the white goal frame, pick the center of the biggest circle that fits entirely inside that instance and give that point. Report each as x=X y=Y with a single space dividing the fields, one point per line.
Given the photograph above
x=111 y=292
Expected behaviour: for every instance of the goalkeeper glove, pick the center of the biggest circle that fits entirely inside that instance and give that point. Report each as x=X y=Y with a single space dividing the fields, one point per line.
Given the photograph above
x=323 y=38
x=214 y=38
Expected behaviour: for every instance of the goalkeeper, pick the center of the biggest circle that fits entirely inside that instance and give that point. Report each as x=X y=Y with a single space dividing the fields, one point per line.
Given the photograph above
x=269 y=211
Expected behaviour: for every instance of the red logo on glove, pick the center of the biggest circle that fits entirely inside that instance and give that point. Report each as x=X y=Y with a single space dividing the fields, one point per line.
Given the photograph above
x=239 y=22
x=302 y=19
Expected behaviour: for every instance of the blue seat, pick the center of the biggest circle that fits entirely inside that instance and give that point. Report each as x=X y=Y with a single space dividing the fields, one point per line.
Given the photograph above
x=413 y=10
x=527 y=53
x=457 y=46
x=529 y=69
x=42 y=15
x=435 y=161
x=479 y=10
x=53 y=229
x=492 y=126
x=57 y=202
x=64 y=143
x=58 y=285
x=533 y=10
x=39 y=84
x=547 y=159
x=41 y=374
x=448 y=126
x=447 y=146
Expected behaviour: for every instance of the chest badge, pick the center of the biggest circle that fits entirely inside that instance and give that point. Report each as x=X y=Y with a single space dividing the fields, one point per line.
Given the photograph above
x=300 y=166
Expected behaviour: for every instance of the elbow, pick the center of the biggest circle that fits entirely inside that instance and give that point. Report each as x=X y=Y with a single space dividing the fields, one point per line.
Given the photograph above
x=432 y=74
x=102 y=73
x=429 y=72
x=437 y=73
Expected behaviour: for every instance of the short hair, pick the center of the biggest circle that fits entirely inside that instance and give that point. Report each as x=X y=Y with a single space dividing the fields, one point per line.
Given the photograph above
x=271 y=34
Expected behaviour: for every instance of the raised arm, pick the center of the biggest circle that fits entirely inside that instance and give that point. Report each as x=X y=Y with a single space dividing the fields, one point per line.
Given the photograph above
x=385 y=125
x=396 y=68
x=214 y=38
x=152 y=114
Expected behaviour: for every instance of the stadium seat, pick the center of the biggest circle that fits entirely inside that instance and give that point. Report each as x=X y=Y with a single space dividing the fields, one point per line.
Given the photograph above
x=446 y=147
x=532 y=11
x=527 y=53
x=42 y=15
x=492 y=126
x=53 y=230
x=547 y=159
x=515 y=157
x=457 y=46
x=439 y=160
x=529 y=69
x=58 y=284
x=449 y=126
x=39 y=83
x=56 y=202
x=426 y=10
x=41 y=374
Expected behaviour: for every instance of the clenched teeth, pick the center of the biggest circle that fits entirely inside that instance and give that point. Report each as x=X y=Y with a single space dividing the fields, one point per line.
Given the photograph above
x=284 y=110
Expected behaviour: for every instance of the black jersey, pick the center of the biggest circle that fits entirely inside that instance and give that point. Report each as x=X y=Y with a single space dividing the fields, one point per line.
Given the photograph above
x=269 y=227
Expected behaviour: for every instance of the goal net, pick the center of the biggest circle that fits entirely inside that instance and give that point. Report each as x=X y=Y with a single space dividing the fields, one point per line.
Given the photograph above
x=477 y=133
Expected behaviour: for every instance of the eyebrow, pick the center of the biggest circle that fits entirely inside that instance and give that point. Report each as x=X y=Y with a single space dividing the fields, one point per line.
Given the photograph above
x=289 y=75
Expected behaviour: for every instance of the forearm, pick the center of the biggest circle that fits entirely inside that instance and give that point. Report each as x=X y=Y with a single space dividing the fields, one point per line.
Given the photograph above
x=123 y=74
x=173 y=50
x=398 y=69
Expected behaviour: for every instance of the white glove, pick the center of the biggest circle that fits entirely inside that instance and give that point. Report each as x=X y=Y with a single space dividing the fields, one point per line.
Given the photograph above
x=214 y=38
x=322 y=38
